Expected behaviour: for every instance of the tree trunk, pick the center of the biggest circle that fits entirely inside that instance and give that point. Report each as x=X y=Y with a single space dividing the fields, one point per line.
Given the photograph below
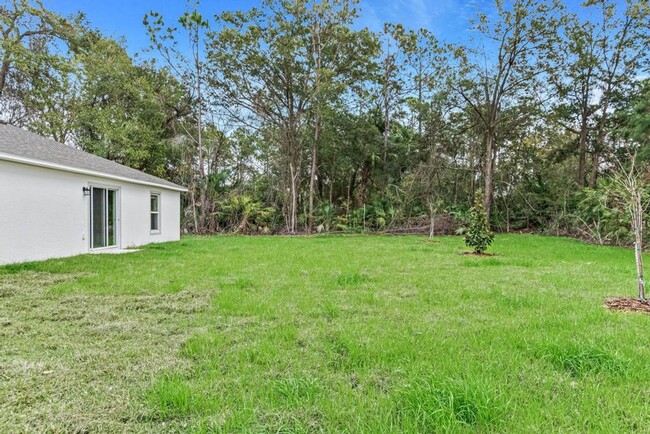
x=192 y=192
x=363 y=185
x=4 y=72
x=242 y=226
x=600 y=142
x=312 y=180
x=582 y=151
x=316 y=43
x=293 y=209
x=386 y=125
x=432 y=221
x=420 y=69
x=637 y=226
x=386 y=104
x=202 y=183
x=488 y=168
x=595 y=161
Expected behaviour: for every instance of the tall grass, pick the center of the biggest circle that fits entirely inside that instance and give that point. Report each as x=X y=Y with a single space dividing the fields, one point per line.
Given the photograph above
x=325 y=334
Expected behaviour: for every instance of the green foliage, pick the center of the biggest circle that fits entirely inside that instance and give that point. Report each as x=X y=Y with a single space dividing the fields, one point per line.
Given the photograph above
x=600 y=218
x=125 y=112
x=357 y=130
x=634 y=119
x=246 y=214
x=478 y=235
x=325 y=216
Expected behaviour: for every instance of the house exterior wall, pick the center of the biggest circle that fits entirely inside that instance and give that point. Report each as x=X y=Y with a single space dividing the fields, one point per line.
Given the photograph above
x=44 y=213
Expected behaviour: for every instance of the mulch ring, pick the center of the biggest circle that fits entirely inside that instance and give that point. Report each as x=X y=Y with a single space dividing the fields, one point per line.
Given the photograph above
x=477 y=254
x=626 y=304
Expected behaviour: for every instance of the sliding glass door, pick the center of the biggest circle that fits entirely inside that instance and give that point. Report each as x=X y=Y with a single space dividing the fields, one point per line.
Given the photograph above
x=103 y=211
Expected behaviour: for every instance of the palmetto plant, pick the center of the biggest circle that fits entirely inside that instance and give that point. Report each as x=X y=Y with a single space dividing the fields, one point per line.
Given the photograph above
x=249 y=214
x=326 y=215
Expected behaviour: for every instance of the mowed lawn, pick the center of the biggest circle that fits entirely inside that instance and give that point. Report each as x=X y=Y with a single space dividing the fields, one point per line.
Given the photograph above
x=325 y=334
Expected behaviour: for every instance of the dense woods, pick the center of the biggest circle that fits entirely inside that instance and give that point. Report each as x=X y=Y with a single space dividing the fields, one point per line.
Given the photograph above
x=290 y=117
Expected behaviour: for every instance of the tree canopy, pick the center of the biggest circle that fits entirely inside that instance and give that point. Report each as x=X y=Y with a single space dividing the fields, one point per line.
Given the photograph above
x=291 y=117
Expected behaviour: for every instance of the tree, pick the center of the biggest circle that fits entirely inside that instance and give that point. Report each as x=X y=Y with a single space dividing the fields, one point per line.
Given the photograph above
x=574 y=75
x=633 y=119
x=34 y=66
x=478 y=235
x=190 y=72
x=340 y=58
x=278 y=69
x=506 y=79
x=623 y=41
x=126 y=112
x=260 y=74
x=632 y=195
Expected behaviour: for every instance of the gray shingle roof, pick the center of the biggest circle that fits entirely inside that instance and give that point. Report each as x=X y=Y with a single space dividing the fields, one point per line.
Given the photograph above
x=18 y=142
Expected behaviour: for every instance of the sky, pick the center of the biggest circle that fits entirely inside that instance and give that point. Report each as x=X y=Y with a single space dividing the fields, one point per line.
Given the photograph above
x=447 y=19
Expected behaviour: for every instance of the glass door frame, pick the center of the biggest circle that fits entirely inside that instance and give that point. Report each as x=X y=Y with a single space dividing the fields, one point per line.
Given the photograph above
x=116 y=216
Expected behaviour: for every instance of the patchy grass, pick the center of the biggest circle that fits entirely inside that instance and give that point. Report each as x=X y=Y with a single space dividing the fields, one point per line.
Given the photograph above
x=332 y=334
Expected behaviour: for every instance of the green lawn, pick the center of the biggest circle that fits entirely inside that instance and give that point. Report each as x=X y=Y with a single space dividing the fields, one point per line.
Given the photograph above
x=333 y=334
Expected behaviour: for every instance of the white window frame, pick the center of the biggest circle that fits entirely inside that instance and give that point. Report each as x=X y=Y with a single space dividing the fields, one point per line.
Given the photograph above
x=152 y=212
x=118 y=215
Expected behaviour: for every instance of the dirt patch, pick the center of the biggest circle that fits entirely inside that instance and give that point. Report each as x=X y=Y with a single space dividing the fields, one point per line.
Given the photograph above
x=477 y=254
x=626 y=304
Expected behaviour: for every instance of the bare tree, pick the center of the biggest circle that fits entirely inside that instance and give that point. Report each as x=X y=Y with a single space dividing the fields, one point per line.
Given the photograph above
x=632 y=194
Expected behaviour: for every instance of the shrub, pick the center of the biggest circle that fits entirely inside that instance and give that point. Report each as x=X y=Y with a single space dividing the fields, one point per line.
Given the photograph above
x=478 y=235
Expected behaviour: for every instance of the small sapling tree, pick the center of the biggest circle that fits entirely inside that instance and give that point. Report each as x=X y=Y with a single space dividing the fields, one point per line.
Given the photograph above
x=632 y=194
x=436 y=207
x=478 y=235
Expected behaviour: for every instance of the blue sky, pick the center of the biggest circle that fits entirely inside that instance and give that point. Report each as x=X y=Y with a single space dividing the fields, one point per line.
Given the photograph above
x=448 y=19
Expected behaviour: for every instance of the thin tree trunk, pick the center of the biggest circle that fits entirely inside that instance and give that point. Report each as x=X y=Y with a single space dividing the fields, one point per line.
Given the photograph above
x=637 y=222
x=600 y=142
x=432 y=221
x=488 y=167
x=582 y=151
x=202 y=184
x=312 y=178
x=386 y=125
x=193 y=200
x=363 y=185
x=386 y=104
x=293 y=211
x=595 y=161
x=316 y=41
x=419 y=98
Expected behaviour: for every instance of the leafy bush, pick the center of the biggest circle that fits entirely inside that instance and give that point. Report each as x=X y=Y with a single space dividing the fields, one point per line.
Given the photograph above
x=478 y=235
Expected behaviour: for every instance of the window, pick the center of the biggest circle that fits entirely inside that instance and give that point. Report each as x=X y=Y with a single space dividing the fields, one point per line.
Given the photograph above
x=155 y=212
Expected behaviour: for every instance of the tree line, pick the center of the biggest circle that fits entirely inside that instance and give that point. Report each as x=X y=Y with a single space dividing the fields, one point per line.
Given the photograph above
x=291 y=117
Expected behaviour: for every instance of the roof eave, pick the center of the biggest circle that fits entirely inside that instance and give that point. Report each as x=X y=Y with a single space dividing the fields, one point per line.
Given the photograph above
x=61 y=167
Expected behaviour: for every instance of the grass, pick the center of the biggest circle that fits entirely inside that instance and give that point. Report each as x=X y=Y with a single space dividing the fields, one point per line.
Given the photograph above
x=324 y=334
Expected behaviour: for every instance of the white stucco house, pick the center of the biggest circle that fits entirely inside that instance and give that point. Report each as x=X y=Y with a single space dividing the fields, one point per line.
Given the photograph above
x=58 y=201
